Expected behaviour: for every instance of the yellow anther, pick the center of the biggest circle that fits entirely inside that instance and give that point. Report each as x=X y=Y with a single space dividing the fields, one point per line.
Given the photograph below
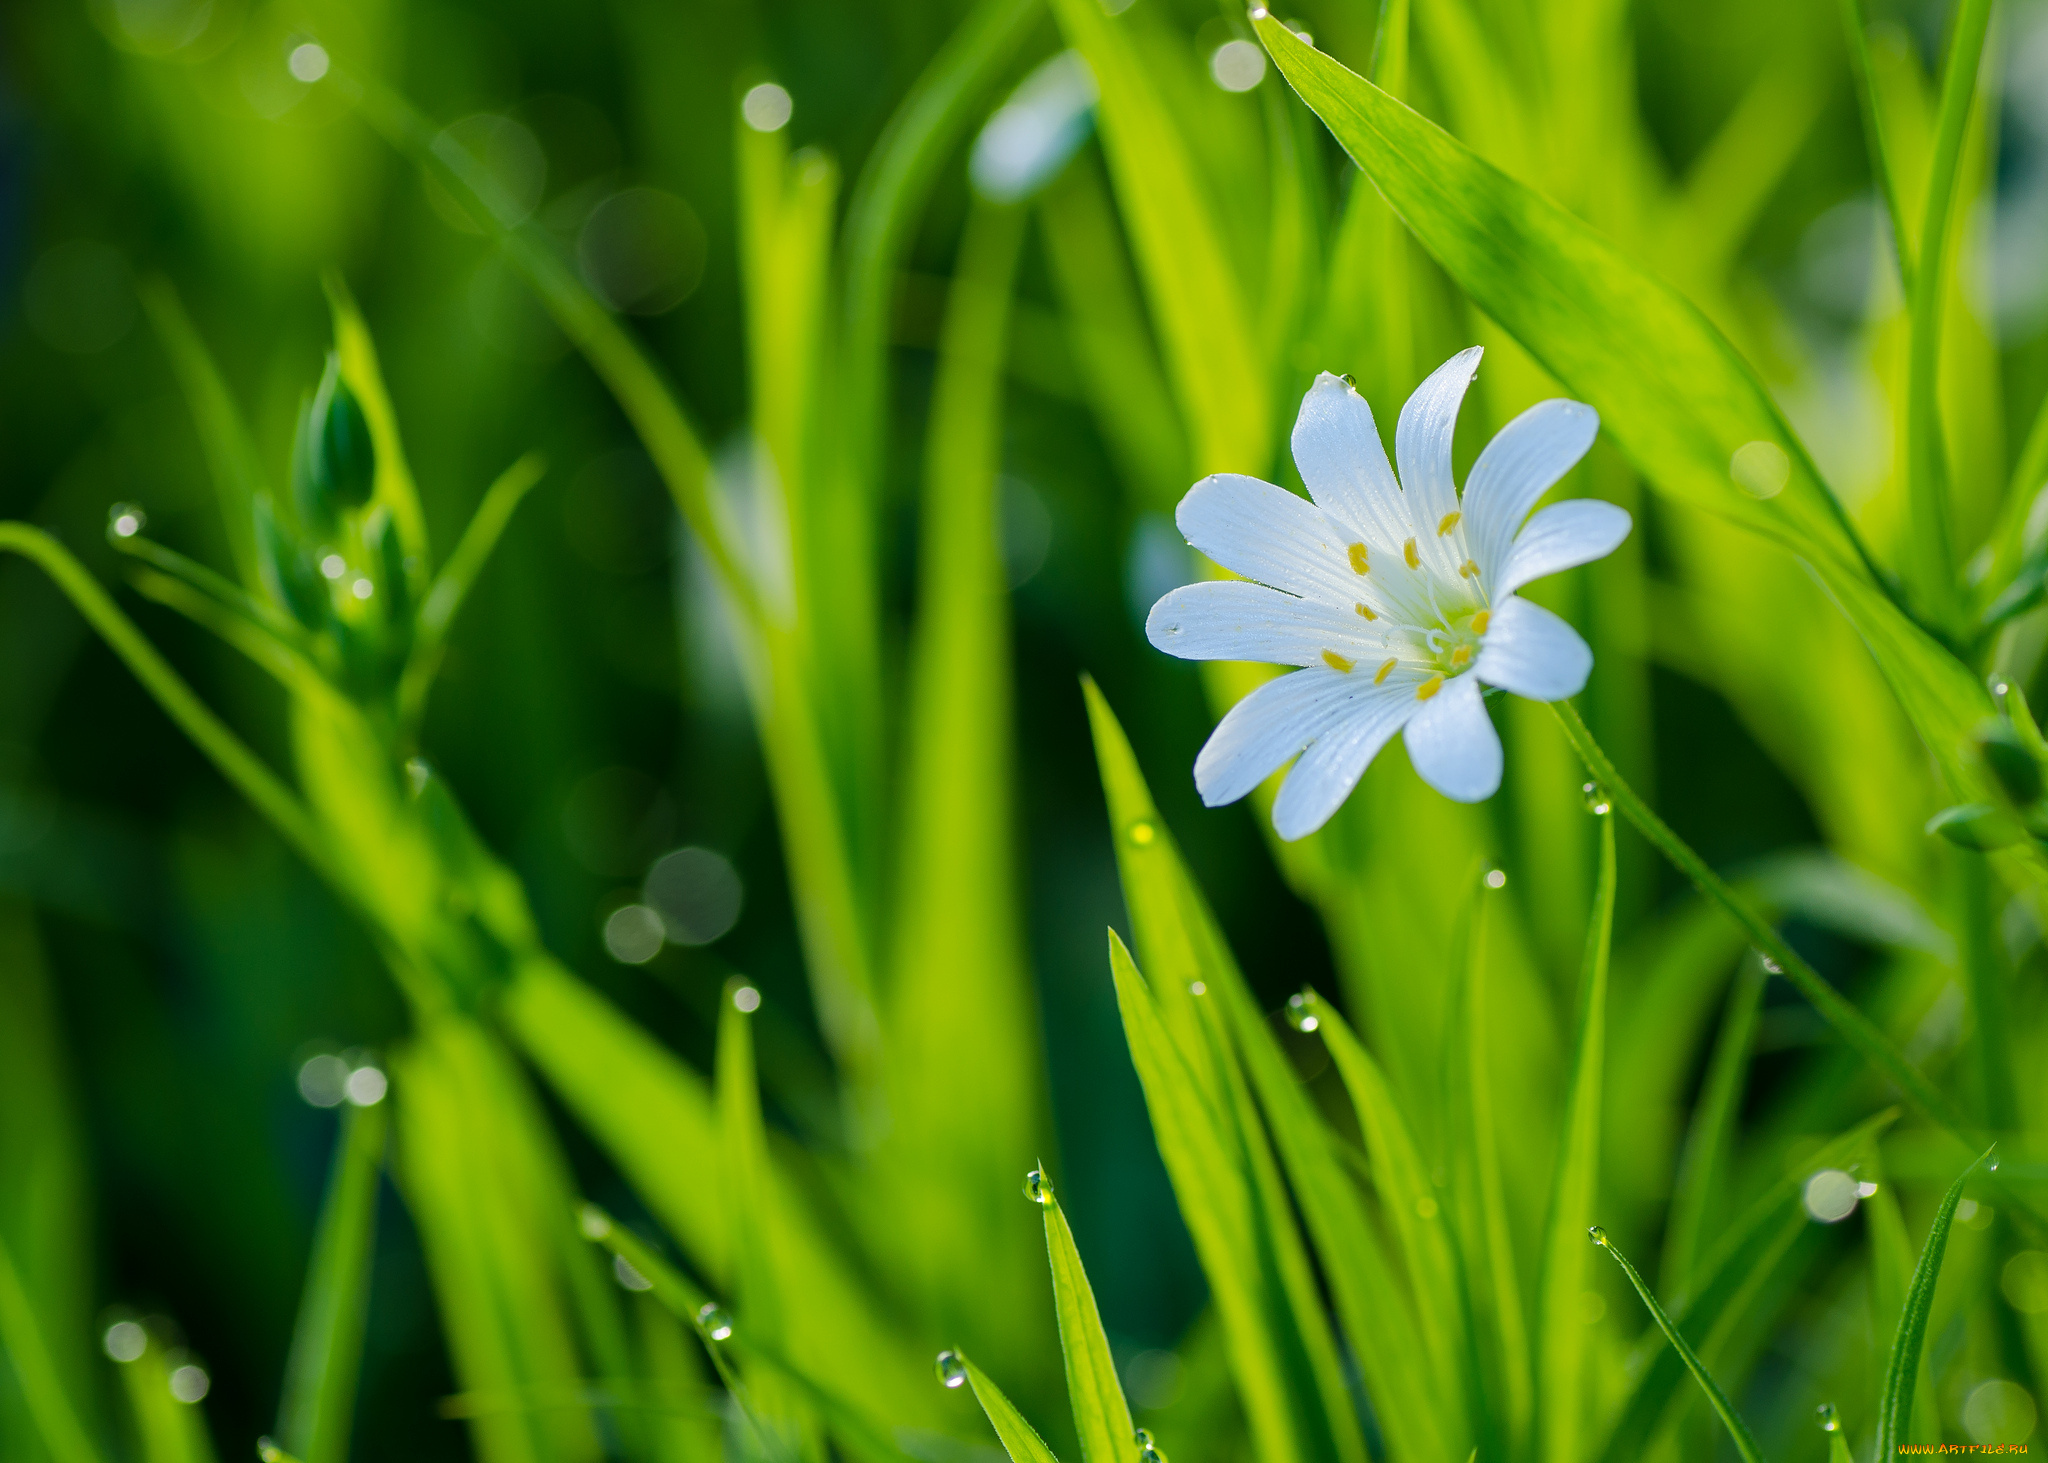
x=1335 y=661
x=1450 y=521
x=1480 y=621
x=1360 y=560
x=1462 y=654
x=1385 y=671
x=1408 y=553
x=1429 y=688
x=1366 y=610
x=1468 y=568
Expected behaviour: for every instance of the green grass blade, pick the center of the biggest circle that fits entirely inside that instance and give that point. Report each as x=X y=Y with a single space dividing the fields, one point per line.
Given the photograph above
x=1927 y=468
x=2029 y=478
x=168 y=1430
x=1019 y=1439
x=1891 y=1277
x=1856 y=28
x=452 y=585
x=231 y=458
x=1895 y=1401
x=1712 y=1133
x=36 y=1372
x=887 y=199
x=1745 y=1441
x=1198 y=305
x=1102 y=1417
x=322 y=1369
x=1561 y=1332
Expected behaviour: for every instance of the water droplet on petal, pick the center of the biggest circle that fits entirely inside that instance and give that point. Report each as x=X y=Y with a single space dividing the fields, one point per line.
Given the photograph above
x=125 y=520
x=1597 y=1235
x=1141 y=833
x=1598 y=803
x=951 y=1369
x=1301 y=1012
x=713 y=1321
x=1037 y=1187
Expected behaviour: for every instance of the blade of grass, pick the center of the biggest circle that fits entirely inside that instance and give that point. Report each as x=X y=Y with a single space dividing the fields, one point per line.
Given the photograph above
x=1856 y=27
x=1575 y=1190
x=1891 y=1277
x=1745 y=1441
x=1102 y=1417
x=170 y=1431
x=36 y=1373
x=1895 y=1401
x=1019 y=1439
x=452 y=585
x=325 y=1361
x=231 y=458
x=1712 y=1132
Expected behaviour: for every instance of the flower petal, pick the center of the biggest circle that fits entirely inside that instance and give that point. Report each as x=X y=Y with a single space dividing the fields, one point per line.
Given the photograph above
x=1317 y=785
x=1267 y=534
x=1533 y=653
x=1344 y=463
x=1273 y=723
x=1453 y=745
x=1521 y=463
x=1422 y=440
x=1562 y=536
x=1229 y=619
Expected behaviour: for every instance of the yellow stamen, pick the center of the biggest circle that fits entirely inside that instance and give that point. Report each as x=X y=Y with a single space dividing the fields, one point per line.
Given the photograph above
x=1360 y=560
x=1462 y=654
x=1429 y=688
x=1480 y=621
x=1335 y=661
x=1450 y=522
x=1408 y=553
x=1385 y=671
x=1468 y=568
x=1366 y=610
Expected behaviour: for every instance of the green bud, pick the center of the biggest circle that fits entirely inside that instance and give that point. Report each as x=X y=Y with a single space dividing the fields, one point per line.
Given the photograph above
x=288 y=571
x=392 y=583
x=2008 y=760
x=333 y=461
x=1977 y=826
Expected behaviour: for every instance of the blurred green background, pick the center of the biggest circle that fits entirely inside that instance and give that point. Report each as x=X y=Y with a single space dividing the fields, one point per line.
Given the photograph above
x=174 y=966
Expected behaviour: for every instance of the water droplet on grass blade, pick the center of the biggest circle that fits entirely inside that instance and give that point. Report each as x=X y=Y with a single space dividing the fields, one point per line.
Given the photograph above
x=593 y=1222
x=1496 y=878
x=1829 y=1419
x=627 y=1276
x=1301 y=1012
x=746 y=999
x=713 y=1321
x=1597 y=1235
x=1830 y=1196
x=1037 y=1187
x=190 y=1383
x=125 y=520
x=1598 y=803
x=951 y=1369
x=125 y=1341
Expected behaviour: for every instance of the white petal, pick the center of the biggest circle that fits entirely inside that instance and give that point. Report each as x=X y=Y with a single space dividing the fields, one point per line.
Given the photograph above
x=1562 y=536
x=1521 y=463
x=1272 y=724
x=1267 y=534
x=1229 y=619
x=1453 y=744
x=1422 y=440
x=1317 y=785
x=1533 y=653
x=1342 y=460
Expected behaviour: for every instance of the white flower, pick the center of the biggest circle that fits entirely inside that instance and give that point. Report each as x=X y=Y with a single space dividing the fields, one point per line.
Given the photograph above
x=1398 y=598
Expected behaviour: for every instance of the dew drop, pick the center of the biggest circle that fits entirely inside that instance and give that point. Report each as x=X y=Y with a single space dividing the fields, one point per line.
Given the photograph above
x=125 y=1341
x=1037 y=1187
x=1829 y=1419
x=1496 y=878
x=629 y=1276
x=593 y=1222
x=1150 y=1454
x=1769 y=964
x=951 y=1369
x=1597 y=1235
x=269 y=1452
x=1301 y=1012
x=1141 y=833
x=125 y=520
x=1998 y=686
x=1198 y=988
x=713 y=1321
x=1598 y=803
x=1141 y=1437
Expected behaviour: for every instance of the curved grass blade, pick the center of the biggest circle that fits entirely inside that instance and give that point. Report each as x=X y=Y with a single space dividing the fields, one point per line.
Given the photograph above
x=1019 y=1439
x=451 y=586
x=1712 y=1131
x=169 y=1431
x=325 y=1362
x=1895 y=1402
x=1102 y=1417
x=27 y=1351
x=1561 y=1332
x=202 y=580
x=1891 y=1276
x=1745 y=1441
x=1856 y=28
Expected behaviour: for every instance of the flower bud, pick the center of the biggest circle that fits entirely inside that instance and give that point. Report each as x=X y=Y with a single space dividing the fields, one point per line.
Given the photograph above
x=2009 y=761
x=333 y=461
x=288 y=571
